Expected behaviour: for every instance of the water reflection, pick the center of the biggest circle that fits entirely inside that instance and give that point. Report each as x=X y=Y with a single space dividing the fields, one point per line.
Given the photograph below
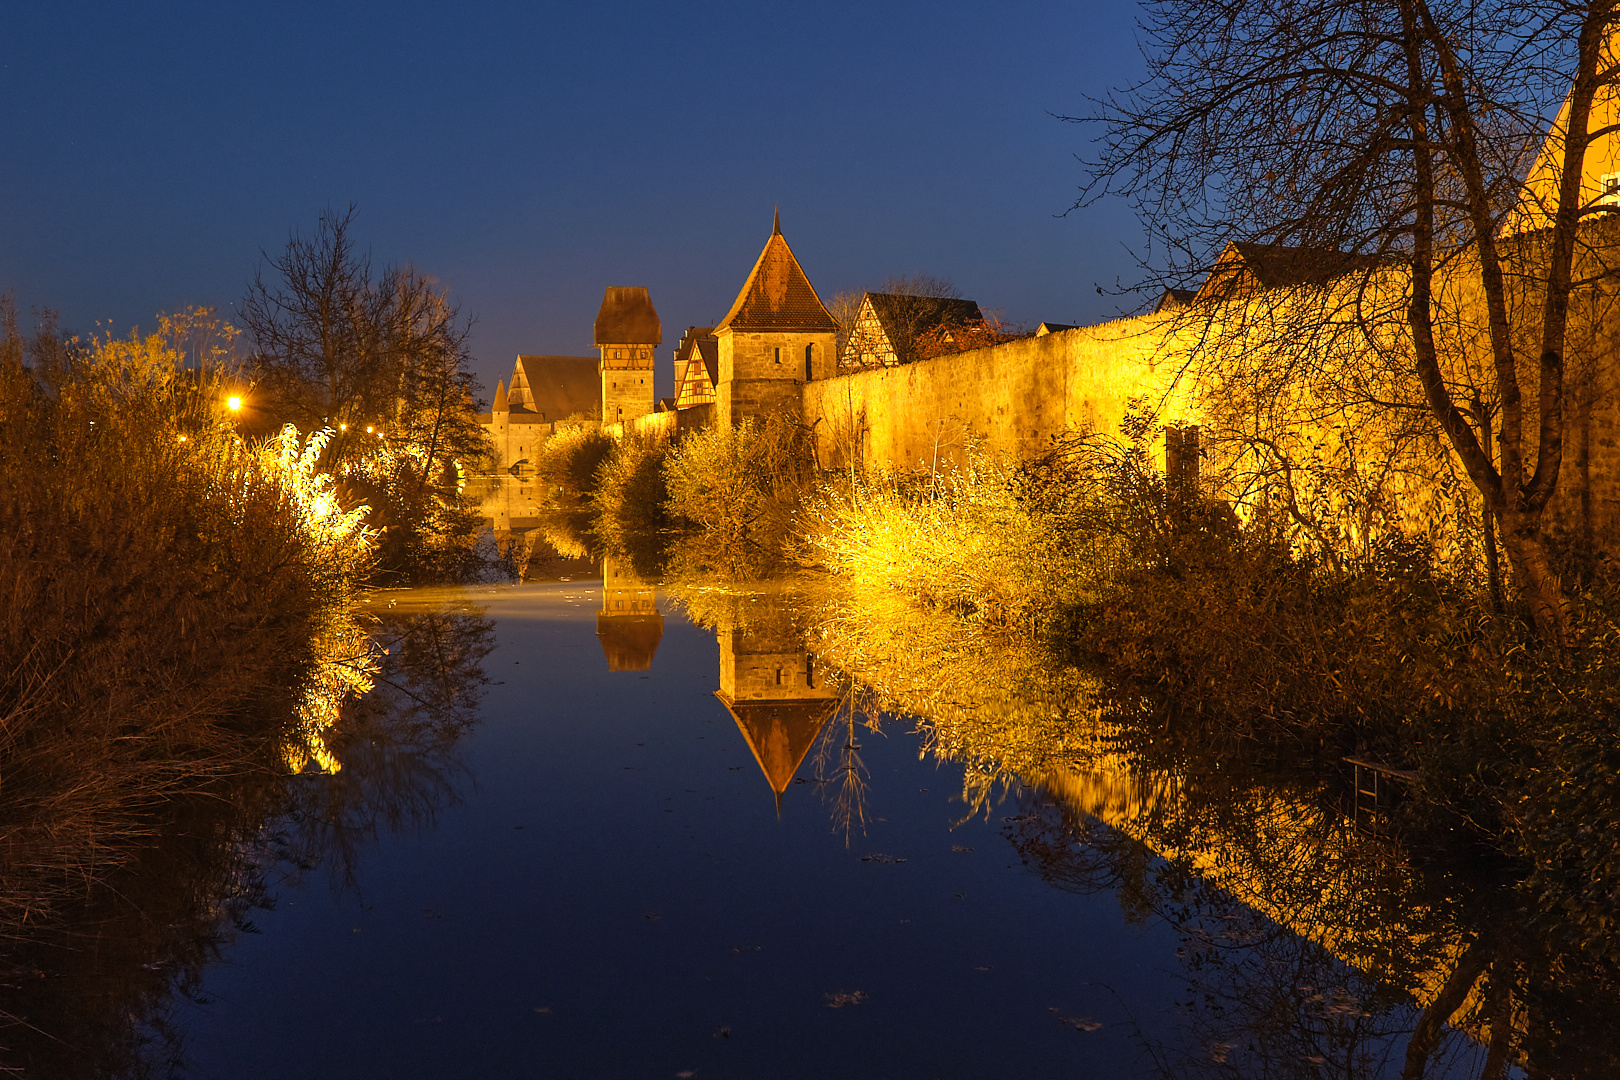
x=90 y=989
x=1312 y=946
x=770 y=686
x=629 y=626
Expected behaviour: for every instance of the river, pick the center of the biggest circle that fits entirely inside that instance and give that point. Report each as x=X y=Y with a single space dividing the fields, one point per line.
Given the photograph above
x=614 y=835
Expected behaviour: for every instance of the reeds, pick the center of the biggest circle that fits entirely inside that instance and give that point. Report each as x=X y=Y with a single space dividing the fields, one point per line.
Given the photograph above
x=174 y=604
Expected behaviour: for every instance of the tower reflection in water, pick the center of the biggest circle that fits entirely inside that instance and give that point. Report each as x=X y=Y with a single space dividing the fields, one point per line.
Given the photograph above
x=769 y=681
x=770 y=685
x=629 y=626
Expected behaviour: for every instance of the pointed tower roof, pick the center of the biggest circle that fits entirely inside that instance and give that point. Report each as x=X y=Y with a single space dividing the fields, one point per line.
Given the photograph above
x=777 y=294
x=499 y=404
x=1600 y=166
x=780 y=733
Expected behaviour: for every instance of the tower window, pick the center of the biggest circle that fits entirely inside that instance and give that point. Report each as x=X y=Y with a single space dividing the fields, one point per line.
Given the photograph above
x=618 y=354
x=809 y=362
x=778 y=351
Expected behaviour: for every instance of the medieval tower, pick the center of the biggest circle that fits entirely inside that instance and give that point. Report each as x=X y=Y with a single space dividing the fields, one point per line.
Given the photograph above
x=627 y=335
x=777 y=336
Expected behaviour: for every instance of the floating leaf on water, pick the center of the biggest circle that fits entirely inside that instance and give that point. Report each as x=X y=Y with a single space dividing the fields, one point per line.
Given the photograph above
x=1079 y=1023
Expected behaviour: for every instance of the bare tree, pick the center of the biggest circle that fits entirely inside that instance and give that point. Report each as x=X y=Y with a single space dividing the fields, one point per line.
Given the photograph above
x=1399 y=132
x=905 y=308
x=338 y=345
x=381 y=360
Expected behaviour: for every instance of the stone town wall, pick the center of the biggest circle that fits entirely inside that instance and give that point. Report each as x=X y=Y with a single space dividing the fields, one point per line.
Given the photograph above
x=1012 y=398
x=664 y=425
x=1586 y=508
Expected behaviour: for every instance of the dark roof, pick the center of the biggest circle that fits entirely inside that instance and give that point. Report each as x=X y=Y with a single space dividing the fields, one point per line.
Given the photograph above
x=629 y=641
x=557 y=386
x=627 y=317
x=702 y=340
x=1244 y=266
x=780 y=733
x=1054 y=328
x=778 y=295
x=1173 y=299
x=900 y=313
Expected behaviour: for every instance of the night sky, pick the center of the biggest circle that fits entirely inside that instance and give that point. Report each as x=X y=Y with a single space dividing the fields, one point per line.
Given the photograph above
x=526 y=155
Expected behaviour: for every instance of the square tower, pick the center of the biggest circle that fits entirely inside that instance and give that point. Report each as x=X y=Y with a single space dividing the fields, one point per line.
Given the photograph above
x=627 y=336
x=777 y=336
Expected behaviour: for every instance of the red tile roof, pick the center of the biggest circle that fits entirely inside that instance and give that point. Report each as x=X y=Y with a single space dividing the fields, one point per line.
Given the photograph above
x=778 y=295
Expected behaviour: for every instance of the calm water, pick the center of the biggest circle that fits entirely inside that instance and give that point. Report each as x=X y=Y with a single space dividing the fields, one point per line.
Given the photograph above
x=614 y=895
x=611 y=890
x=639 y=855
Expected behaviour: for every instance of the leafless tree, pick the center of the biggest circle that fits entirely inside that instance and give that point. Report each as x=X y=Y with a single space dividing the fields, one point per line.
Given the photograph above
x=911 y=305
x=339 y=345
x=1389 y=139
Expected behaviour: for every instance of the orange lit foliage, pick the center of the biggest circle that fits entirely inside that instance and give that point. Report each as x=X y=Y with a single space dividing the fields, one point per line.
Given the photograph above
x=948 y=339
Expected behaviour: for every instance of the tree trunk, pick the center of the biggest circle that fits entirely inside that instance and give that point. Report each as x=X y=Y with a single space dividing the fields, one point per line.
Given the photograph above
x=1534 y=575
x=1470 y=966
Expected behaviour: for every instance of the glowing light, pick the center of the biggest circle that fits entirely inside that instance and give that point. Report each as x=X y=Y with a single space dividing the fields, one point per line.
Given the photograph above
x=233 y=403
x=343 y=427
x=182 y=438
x=368 y=429
x=322 y=506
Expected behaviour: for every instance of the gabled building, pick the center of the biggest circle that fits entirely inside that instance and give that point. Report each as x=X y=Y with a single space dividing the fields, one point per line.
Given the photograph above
x=628 y=334
x=887 y=327
x=1174 y=300
x=543 y=391
x=552 y=388
x=697 y=367
x=777 y=336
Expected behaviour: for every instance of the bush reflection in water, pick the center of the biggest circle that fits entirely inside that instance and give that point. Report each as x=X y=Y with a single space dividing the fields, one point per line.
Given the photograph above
x=1317 y=942
x=89 y=990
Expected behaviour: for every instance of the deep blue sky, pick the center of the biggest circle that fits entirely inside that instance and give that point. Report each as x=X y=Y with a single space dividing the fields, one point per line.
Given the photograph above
x=527 y=155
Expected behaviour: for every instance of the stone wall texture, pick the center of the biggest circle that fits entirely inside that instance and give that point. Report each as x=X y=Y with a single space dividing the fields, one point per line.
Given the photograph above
x=1011 y=399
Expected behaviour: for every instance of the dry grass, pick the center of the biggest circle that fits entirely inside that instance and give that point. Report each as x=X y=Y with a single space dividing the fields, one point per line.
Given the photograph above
x=174 y=605
x=964 y=542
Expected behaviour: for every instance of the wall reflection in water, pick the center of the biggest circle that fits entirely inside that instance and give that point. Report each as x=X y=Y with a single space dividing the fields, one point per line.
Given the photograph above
x=1314 y=945
x=88 y=990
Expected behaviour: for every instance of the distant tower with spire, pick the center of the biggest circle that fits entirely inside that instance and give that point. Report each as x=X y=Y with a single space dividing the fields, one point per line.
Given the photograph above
x=777 y=336
x=627 y=336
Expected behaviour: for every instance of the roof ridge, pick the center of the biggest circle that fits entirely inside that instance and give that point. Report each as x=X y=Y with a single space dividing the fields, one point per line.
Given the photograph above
x=772 y=296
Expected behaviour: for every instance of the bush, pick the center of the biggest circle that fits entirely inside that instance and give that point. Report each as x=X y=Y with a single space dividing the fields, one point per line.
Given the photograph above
x=632 y=520
x=965 y=541
x=737 y=491
x=174 y=604
x=568 y=463
x=426 y=531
